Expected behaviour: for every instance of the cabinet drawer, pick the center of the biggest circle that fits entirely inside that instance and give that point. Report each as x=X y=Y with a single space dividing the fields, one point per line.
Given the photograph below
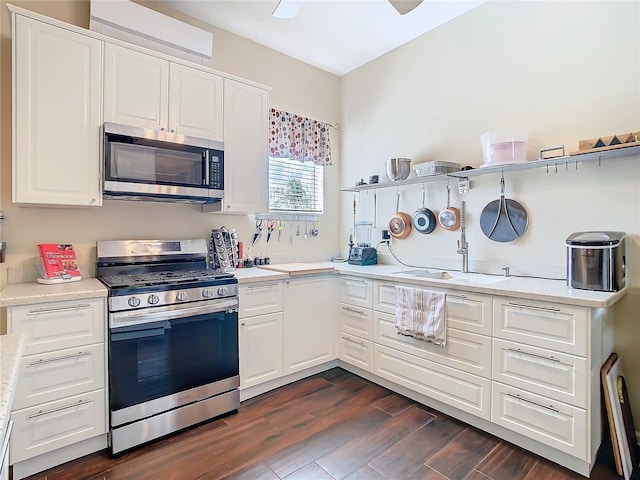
x=53 y=425
x=58 y=325
x=552 y=423
x=261 y=349
x=564 y=328
x=356 y=351
x=356 y=321
x=467 y=351
x=260 y=298
x=356 y=291
x=52 y=376
x=552 y=374
x=470 y=312
x=462 y=390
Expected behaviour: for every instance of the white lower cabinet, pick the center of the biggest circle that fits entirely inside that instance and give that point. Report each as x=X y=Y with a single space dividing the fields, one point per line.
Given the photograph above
x=60 y=399
x=469 y=393
x=555 y=424
x=260 y=333
x=261 y=349
x=356 y=351
x=49 y=426
x=309 y=321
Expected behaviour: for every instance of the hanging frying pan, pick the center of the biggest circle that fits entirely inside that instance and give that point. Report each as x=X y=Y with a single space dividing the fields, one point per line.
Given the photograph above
x=449 y=218
x=400 y=222
x=424 y=220
x=503 y=220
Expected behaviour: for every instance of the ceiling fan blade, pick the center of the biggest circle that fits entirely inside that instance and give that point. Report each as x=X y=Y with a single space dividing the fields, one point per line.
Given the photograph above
x=287 y=8
x=404 y=6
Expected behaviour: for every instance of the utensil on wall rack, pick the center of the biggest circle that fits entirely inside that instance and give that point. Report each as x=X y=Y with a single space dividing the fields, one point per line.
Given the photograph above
x=400 y=222
x=424 y=220
x=503 y=220
x=449 y=218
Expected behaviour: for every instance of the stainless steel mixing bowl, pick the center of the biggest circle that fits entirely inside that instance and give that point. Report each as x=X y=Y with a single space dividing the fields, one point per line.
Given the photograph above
x=398 y=168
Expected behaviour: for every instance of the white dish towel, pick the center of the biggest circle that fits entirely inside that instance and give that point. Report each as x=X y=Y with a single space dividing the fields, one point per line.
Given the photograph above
x=421 y=314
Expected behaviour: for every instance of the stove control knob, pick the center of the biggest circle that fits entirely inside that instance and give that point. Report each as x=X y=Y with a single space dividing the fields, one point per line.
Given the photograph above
x=133 y=301
x=207 y=292
x=182 y=296
x=153 y=299
x=222 y=291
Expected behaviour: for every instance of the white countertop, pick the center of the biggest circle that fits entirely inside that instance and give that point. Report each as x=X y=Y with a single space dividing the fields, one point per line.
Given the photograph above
x=10 y=353
x=521 y=287
x=29 y=293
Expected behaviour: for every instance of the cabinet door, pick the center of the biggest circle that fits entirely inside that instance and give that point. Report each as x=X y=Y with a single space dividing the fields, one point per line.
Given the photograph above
x=246 y=166
x=195 y=102
x=356 y=291
x=57 y=117
x=136 y=88
x=57 y=325
x=260 y=349
x=54 y=425
x=309 y=322
x=260 y=298
x=52 y=376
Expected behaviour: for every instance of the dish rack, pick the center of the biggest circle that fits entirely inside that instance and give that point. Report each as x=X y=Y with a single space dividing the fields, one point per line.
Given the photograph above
x=223 y=249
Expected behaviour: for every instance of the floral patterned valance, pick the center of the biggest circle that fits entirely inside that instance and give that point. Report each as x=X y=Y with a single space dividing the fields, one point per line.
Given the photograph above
x=299 y=138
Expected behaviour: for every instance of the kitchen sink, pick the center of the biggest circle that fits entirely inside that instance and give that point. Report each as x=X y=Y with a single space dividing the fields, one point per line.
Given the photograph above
x=454 y=277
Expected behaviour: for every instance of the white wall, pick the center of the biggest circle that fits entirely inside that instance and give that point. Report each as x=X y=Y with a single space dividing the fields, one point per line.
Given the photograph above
x=564 y=71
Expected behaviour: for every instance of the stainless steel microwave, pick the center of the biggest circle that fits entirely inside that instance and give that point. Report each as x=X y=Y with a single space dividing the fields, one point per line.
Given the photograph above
x=145 y=164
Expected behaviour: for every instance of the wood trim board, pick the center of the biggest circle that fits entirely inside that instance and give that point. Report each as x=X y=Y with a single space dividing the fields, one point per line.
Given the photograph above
x=614 y=388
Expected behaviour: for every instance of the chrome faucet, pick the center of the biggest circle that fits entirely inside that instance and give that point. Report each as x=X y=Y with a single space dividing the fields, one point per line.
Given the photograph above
x=463 y=245
x=506 y=271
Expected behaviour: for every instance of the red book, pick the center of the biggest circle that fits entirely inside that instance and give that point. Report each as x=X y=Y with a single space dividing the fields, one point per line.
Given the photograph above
x=58 y=262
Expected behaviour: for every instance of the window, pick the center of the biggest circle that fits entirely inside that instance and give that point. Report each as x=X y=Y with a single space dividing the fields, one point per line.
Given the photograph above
x=295 y=186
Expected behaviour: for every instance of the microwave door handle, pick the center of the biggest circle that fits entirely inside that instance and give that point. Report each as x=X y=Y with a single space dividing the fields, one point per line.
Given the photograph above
x=207 y=167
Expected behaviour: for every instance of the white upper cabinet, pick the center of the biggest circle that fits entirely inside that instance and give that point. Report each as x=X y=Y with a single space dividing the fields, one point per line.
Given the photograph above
x=246 y=167
x=57 y=89
x=149 y=92
x=195 y=102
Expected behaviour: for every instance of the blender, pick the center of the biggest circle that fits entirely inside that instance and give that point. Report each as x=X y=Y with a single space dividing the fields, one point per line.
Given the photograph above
x=362 y=253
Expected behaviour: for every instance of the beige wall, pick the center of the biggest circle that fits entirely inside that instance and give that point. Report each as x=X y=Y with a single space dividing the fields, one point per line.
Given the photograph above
x=563 y=71
x=304 y=89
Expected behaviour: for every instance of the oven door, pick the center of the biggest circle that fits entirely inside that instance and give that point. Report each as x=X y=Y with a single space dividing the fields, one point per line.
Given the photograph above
x=169 y=357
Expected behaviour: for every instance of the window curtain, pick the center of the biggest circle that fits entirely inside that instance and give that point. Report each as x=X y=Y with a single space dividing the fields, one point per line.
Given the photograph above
x=299 y=138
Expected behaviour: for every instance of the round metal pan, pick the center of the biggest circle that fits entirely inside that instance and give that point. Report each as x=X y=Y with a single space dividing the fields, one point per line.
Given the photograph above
x=400 y=222
x=424 y=220
x=504 y=220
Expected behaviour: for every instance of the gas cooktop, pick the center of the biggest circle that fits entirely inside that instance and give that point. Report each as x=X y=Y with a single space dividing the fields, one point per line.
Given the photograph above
x=163 y=278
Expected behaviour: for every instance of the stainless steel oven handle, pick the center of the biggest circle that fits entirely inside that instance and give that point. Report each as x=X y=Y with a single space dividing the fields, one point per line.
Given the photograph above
x=177 y=311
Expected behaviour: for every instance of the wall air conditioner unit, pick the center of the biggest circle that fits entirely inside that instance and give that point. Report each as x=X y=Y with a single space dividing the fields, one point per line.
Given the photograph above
x=133 y=23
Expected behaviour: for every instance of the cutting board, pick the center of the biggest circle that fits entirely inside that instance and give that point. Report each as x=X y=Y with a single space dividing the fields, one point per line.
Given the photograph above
x=298 y=268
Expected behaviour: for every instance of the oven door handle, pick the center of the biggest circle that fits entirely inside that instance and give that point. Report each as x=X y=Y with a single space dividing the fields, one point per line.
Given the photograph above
x=136 y=317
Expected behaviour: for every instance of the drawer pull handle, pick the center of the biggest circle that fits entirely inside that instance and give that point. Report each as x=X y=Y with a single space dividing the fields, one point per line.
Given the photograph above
x=80 y=306
x=544 y=357
x=53 y=410
x=349 y=309
x=353 y=280
x=463 y=297
x=533 y=307
x=518 y=397
x=255 y=287
x=348 y=339
x=42 y=361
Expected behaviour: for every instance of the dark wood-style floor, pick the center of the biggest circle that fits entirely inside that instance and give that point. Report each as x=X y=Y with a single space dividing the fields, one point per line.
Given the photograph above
x=334 y=425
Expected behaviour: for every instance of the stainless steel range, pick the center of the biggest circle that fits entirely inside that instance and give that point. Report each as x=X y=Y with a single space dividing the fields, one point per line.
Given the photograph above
x=173 y=338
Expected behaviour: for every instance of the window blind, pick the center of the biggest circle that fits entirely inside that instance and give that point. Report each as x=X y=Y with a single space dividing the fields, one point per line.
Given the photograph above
x=295 y=186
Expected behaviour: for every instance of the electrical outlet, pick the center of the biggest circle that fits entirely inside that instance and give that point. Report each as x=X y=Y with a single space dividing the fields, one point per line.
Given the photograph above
x=385 y=235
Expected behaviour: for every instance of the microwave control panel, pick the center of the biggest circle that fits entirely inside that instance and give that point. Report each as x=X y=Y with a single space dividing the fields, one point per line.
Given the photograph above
x=216 y=172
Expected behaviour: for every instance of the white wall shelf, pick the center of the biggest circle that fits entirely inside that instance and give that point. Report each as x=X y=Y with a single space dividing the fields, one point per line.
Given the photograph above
x=551 y=164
